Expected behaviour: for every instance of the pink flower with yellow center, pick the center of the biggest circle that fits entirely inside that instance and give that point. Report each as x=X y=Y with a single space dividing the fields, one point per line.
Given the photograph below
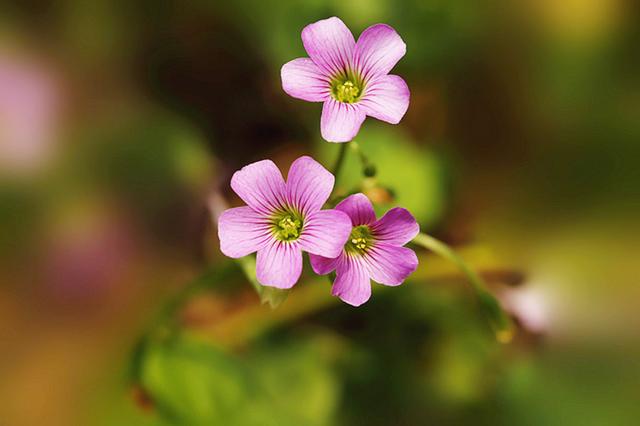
x=374 y=251
x=281 y=220
x=351 y=78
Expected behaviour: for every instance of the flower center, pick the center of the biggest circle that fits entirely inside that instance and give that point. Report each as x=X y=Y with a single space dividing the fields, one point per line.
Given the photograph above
x=347 y=87
x=360 y=240
x=287 y=226
x=346 y=92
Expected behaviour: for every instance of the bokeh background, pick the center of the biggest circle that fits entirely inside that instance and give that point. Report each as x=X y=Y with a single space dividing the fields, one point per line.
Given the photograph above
x=122 y=122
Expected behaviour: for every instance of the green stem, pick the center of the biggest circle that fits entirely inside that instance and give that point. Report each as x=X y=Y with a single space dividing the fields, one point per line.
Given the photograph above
x=368 y=169
x=498 y=320
x=337 y=166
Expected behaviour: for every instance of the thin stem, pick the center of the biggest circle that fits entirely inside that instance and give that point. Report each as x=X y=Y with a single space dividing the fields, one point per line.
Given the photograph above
x=498 y=319
x=339 y=161
x=368 y=169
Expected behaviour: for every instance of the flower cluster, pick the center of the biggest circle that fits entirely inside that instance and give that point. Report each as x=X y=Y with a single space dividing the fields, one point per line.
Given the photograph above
x=282 y=218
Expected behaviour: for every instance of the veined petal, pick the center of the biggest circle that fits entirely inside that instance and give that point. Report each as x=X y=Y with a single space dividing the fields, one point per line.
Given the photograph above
x=323 y=265
x=390 y=265
x=386 y=98
x=325 y=232
x=242 y=231
x=352 y=283
x=396 y=227
x=279 y=264
x=303 y=79
x=340 y=122
x=308 y=185
x=378 y=50
x=329 y=44
x=260 y=185
x=358 y=208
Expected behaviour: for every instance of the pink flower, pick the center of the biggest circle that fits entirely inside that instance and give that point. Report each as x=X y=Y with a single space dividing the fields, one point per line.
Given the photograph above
x=352 y=79
x=282 y=219
x=374 y=250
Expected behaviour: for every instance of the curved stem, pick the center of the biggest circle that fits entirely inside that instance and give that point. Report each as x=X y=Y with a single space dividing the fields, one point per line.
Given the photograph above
x=337 y=166
x=498 y=320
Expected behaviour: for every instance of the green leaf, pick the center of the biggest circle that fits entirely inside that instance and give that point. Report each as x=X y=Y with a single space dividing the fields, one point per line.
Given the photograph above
x=191 y=382
x=414 y=174
x=296 y=385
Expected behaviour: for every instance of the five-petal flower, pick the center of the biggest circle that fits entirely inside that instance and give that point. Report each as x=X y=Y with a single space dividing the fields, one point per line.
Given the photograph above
x=374 y=250
x=282 y=219
x=352 y=79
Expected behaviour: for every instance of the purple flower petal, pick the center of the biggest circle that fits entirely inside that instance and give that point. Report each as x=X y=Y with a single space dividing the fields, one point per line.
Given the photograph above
x=325 y=232
x=308 y=185
x=396 y=227
x=378 y=49
x=390 y=265
x=303 y=79
x=323 y=265
x=340 y=121
x=260 y=185
x=330 y=44
x=352 y=283
x=279 y=264
x=242 y=231
x=386 y=98
x=359 y=209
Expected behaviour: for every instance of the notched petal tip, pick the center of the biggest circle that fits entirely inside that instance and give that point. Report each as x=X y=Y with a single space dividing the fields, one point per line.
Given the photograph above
x=329 y=44
x=397 y=226
x=260 y=185
x=309 y=184
x=359 y=209
x=352 y=284
x=378 y=49
x=387 y=99
x=340 y=122
x=391 y=265
x=279 y=265
x=349 y=300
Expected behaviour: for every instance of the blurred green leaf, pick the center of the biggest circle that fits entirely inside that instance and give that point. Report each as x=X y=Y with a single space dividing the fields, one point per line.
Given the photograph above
x=415 y=174
x=191 y=382
x=296 y=384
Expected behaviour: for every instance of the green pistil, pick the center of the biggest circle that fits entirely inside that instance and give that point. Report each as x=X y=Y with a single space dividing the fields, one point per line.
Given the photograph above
x=287 y=225
x=359 y=241
x=347 y=88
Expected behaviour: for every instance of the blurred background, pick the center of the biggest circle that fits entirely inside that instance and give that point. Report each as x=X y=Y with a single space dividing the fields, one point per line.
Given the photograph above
x=122 y=122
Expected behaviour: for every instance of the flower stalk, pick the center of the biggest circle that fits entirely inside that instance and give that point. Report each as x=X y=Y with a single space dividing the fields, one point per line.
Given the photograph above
x=499 y=321
x=337 y=166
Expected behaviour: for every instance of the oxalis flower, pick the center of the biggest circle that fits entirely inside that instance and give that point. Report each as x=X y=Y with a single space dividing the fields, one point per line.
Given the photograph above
x=352 y=79
x=282 y=219
x=374 y=250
